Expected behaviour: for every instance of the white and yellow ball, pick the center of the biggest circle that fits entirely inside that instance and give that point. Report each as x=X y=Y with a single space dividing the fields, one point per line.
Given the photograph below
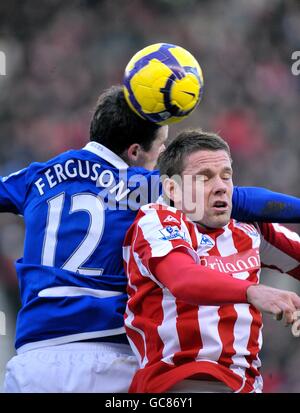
x=163 y=83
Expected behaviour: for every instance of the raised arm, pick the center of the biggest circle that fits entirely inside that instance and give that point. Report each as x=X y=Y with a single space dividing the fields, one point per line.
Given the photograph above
x=280 y=249
x=263 y=205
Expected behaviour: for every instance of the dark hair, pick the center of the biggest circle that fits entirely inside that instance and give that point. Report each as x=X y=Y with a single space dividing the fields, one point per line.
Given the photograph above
x=172 y=161
x=116 y=126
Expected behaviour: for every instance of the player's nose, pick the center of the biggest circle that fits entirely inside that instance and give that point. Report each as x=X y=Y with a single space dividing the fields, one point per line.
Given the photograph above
x=219 y=186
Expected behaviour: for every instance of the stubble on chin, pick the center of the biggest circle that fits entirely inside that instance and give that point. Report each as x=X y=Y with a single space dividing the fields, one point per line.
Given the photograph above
x=217 y=221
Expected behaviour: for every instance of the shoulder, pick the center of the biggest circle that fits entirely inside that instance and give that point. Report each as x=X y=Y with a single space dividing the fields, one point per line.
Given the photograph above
x=61 y=158
x=142 y=171
x=248 y=228
x=156 y=218
x=163 y=213
x=143 y=176
x=35 y=166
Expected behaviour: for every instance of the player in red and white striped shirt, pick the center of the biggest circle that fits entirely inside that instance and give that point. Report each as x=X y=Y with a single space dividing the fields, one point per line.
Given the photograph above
x=194 y=308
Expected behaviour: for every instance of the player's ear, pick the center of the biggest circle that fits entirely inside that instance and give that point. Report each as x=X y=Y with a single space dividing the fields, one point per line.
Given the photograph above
x=168 y=188
x=133 y=153
x=172 y=190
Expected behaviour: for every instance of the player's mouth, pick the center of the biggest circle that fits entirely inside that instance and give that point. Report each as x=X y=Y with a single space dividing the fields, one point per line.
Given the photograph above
x=220 y=206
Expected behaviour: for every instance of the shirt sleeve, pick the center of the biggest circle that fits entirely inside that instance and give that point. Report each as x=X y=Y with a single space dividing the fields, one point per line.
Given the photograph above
x=280 y=249
x=196 y=284
x=13 y=192
x=262 y=205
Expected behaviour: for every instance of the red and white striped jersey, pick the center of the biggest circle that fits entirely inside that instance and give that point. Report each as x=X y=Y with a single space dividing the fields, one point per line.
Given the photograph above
x=174 y=340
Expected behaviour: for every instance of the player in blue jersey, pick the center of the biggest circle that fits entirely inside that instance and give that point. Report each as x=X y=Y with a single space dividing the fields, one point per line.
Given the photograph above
x=77 y=208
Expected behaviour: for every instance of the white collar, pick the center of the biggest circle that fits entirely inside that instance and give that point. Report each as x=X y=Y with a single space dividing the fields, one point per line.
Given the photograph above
x=106 y=154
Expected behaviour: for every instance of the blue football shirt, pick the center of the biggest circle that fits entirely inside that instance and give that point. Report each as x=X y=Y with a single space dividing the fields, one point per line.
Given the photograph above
x=77 y=208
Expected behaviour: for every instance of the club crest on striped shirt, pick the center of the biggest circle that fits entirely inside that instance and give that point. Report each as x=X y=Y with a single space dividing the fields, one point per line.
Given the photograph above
x=171 y=233
x=207 y=241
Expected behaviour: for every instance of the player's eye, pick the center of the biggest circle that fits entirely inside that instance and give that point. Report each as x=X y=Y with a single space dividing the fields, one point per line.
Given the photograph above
x=202 y=177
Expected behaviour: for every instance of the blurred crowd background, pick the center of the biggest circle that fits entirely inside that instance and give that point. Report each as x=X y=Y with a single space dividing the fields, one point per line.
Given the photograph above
x=62 y=54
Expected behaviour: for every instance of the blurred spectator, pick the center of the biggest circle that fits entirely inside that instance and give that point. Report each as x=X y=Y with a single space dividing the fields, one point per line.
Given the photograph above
x=243 y=132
